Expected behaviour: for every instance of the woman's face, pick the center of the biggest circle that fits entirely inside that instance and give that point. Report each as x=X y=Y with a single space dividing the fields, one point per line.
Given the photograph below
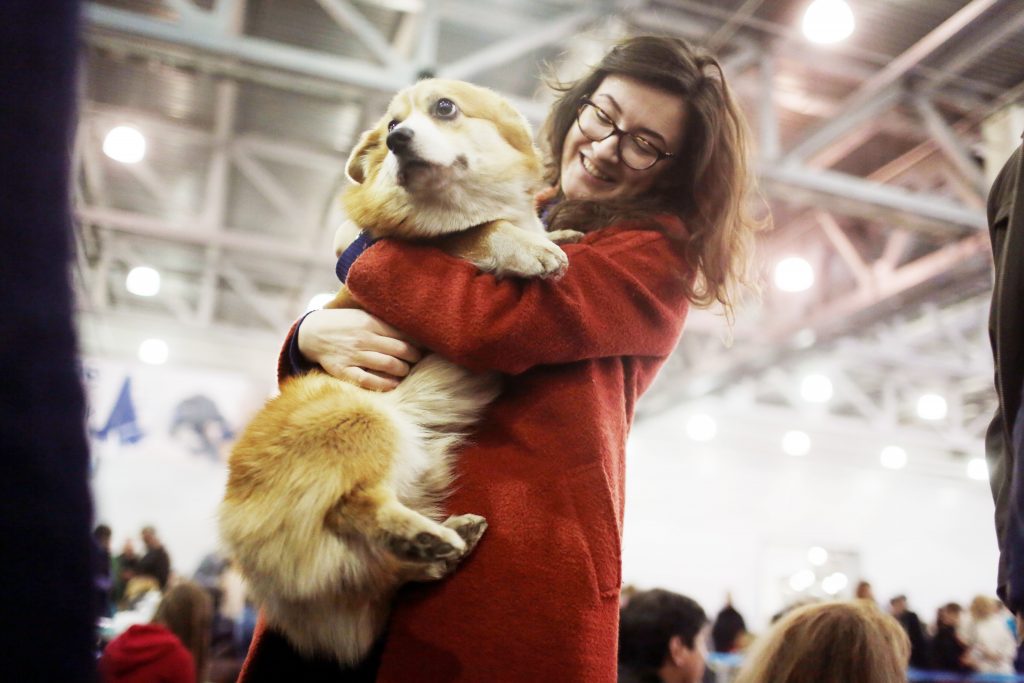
x=593 y=170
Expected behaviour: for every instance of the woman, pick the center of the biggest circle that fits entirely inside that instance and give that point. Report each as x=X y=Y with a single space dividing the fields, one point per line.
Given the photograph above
x=648 y=156
x=173 y=648
x=988 y=635
x=832 y=642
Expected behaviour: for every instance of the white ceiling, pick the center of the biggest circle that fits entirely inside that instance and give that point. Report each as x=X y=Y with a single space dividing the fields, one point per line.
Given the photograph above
x=871 y=158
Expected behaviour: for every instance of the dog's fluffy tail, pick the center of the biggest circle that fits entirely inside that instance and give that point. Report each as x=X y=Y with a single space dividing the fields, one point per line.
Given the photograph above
x=441 y=396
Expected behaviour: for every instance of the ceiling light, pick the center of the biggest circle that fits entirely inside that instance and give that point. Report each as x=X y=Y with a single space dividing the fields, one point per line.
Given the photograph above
x=143 y=281
x=153 y=351
x=817 y=556
x=701 y=428
x=893 y=458
x=931 y=407
x=816 y=388
x=795 y=442
x=318 y=301
x=835 y=582
x=828 y=21
x=802 y=580
x=793 y=274
x=977 y=469
x=125 y=144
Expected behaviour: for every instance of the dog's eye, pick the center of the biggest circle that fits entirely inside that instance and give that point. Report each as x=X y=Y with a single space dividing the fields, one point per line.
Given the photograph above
x=445 y=108
x=391 y=126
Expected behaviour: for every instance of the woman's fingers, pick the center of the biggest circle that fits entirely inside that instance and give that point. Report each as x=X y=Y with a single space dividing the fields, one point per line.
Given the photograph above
x=394 y=347
x=381 y=363
x=367 y=380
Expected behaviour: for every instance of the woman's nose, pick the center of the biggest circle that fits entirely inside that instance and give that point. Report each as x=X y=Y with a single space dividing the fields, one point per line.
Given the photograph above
x=607 y=150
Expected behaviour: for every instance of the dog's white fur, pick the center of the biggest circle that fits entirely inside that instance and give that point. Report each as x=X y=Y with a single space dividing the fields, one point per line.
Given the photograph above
x=334 y=491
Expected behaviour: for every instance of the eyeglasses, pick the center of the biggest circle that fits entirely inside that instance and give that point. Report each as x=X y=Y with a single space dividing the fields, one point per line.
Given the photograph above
x=638 y=152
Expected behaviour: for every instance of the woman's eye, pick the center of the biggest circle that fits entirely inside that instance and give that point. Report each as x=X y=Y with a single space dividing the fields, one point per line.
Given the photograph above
x=391 y=126
x=601 y=116
x=445 y=108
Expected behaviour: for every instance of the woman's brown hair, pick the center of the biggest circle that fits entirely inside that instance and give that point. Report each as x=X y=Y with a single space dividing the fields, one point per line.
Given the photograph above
x=708 y=185
x=832 y=642
x=187 y=611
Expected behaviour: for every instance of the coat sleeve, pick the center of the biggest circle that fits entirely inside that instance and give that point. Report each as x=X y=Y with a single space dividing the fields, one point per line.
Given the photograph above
x=622 y=295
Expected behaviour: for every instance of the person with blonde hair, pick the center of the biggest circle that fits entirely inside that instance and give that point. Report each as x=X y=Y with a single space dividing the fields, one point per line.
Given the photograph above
x=989 y=637
x=831 y=642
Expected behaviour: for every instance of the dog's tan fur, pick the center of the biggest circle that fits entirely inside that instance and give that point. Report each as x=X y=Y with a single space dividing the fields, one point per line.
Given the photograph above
x=333 y=492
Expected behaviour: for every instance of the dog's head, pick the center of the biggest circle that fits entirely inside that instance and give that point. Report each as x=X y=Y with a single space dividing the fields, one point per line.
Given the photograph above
x=444 y=144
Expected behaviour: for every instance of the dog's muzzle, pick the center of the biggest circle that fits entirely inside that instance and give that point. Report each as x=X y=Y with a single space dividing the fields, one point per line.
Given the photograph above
x=400 y=140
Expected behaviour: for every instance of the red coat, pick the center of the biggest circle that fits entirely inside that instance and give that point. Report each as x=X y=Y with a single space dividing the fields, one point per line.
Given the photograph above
x=147 y=653
x=537 y=600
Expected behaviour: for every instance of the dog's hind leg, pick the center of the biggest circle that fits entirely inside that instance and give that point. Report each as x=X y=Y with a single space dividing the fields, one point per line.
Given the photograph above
x=377 y=513
x=470 y=528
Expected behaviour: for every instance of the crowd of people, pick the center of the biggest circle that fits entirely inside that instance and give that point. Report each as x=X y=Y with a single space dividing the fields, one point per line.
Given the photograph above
x=664 y=637
x=155 y=625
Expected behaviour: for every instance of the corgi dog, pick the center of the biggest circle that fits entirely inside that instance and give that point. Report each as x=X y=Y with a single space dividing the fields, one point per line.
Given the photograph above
x=334 y=492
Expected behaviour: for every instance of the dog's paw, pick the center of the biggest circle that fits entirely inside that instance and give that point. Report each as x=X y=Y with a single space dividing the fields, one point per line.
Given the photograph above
x=423 y=547
x=469 y=527
x=535 y=256
x=565 y=236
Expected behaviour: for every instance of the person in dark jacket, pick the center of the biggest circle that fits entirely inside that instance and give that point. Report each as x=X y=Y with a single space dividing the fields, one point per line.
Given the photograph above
x=948 y=651
x=156 y=562
x=661 y=639
x=1004 y=442
x=911 y=623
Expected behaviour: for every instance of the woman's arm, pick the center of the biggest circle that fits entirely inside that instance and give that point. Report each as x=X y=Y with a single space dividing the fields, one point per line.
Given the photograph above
x=621 y=296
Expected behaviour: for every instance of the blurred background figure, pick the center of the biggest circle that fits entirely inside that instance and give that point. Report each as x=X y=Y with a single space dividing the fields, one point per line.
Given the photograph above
x=948 y=650
x=102 y=577
x=124 y=568
x=832 y=642
x=911 y=623
x=172 y=648
x=729 y=632
x=155 y=562
x=864 y=591
x=661 y=639
x=992 y=645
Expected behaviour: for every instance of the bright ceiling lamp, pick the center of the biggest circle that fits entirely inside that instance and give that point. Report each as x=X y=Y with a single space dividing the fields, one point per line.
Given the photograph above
x=893 y=458
x=931 y=407
x=977 y=469
x=153 y=351
x=802 y=580
x=817 y=556
x=318 y=301
x=828 y=21
x=816 y=388
x=795 y=442
x=701 y=427
x=125 y=144
x=835 y=582
x=793 y=274
x=143 y=281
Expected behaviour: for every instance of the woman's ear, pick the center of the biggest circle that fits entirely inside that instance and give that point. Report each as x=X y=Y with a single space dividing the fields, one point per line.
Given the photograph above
x=678 y=652
x=357 y=168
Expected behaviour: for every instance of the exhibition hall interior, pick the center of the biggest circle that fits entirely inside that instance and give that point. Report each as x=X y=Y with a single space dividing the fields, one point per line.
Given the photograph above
x=829 y=433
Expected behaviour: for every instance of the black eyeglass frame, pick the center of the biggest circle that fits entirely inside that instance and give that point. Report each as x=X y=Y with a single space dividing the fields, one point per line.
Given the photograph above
x=619 y=133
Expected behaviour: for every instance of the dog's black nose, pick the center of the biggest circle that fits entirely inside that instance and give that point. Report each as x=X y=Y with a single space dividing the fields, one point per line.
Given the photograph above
x=399 y=140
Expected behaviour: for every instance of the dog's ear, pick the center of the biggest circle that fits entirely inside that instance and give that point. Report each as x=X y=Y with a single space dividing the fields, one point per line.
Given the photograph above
x=356 y=168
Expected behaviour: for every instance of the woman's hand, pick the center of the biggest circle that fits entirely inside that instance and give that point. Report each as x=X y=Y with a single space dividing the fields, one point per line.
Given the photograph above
x=353 y=345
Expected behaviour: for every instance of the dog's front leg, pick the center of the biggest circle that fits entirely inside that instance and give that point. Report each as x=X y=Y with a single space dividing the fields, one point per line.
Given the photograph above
x=470 y=528
x=502 y=248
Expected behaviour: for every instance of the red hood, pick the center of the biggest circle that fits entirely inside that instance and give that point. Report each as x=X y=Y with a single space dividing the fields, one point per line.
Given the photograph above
x=138 y=647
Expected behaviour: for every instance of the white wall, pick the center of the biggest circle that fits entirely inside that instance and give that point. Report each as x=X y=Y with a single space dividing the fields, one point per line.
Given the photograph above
x=705 y=520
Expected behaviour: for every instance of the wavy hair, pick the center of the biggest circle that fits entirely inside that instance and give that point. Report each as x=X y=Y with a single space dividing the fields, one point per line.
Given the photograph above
x=708 y=183
x=831 y=642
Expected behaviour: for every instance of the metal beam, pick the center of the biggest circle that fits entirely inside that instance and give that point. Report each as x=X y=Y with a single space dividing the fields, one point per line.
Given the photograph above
x=974 y=50
x=955 y=151
x=347 y=16
x=852 y=116
x=518 y=45
x=858 y=197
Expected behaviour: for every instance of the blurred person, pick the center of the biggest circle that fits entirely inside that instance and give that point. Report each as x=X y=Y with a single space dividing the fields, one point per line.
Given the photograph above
x=155 y=562
x=172 y=648
x=831 y=642
x=993 y=647
x=661 y=639
x=911 y=623
x=948 y=650
x=1004 y=441
x=102 y=573
x=864 y=591
x=123 y=569
x=729 y=632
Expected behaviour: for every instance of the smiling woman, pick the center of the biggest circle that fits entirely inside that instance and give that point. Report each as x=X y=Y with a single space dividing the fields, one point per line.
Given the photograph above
x=648 y=159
